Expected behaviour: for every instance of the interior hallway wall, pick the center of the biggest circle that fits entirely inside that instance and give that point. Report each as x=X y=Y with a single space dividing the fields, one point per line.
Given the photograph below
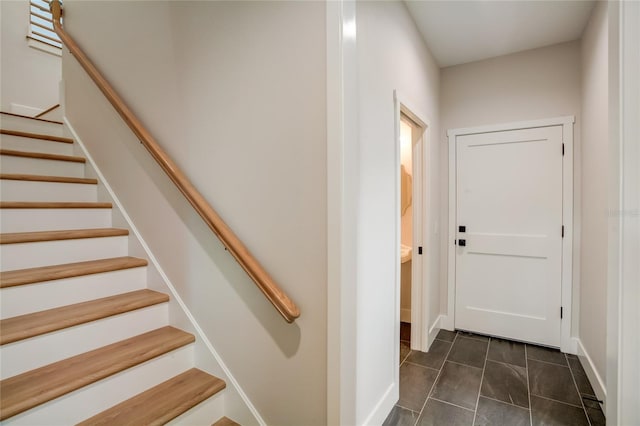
x=391 y=56
x=28 y=76
x=534 y=84
x=595 y=169
x=235 y=93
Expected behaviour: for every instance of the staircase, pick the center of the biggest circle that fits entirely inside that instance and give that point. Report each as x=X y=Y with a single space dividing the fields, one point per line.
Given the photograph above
x=82 y=338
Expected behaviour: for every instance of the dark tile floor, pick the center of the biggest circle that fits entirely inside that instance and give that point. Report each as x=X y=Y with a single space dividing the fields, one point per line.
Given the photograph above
x=468 y=379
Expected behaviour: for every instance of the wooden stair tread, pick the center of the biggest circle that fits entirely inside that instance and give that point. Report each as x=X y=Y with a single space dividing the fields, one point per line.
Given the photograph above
x=34 y=118
x=225 y=421
x=25 y=391
x=29 y=325
x=32 y=237
x=53 y=205
x=161 y=403
x=42 y=156
x=42 y=178
x=67 y=270
x=41 y=136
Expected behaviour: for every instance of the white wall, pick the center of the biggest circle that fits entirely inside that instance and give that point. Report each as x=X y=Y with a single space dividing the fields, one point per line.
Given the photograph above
x=538 y=83
x=623 y=296
x=235 y=92
x=391 y=56
x=28 y=76
x=595 y=170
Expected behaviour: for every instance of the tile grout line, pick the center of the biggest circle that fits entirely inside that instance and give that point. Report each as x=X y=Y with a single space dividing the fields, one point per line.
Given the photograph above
x=433 y=386
x=486 y=355
x=420 y=365
x=451 y=403
x=579 y=393
x=506 y=363
x=405 y=358
x=558 y=401
x=548 y=362
x=526 y=363
x=465 y=365
x=503 y=402
x=405 y=408
x=577 y=372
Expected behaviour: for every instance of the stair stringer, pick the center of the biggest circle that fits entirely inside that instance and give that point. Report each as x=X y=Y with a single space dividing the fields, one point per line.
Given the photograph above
x=236 y=403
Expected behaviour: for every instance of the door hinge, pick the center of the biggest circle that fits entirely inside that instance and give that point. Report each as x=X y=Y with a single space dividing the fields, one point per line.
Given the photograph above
x=563 y=150
x=560 y=312
x=562 y=233
x=419 y=249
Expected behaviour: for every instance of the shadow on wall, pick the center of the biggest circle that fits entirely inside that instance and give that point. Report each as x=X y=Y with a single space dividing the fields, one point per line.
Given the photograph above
x=286 y=336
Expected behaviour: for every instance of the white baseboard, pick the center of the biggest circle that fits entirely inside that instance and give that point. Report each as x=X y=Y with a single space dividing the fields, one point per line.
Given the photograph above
x=446 y=322
x=231 y=381
x=384 y=406
x=434 y=329
x=595 y=379
x=24 y=110
x=405 y=315
x=571 y=346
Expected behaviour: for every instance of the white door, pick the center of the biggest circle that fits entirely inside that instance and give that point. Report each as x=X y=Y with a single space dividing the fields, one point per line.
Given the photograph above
x=509 y=241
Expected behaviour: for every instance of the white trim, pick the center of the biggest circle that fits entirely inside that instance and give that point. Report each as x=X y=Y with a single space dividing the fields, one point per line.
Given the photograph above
x=517 y=125
x=434 y=329
x=384 y=406
x=596 y=381
x=448 y=320
x=567 y=344
x=200 y=333
x=623 y=292
x=44 y=47
x=422 y=234
x=342 y=211
x=27 y=110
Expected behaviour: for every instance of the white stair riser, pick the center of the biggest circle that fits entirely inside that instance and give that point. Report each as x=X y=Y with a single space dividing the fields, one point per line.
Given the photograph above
x=9 y=122
x=93 y=399
x=38 y=166
x=21 y=190
x=203 y=413
x=29 y=298
x=19 y=357
x=19 y=143
x=32 y=220
x=31 y=255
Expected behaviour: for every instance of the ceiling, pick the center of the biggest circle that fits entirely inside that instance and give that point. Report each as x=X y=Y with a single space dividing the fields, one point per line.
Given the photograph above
x=464 y=31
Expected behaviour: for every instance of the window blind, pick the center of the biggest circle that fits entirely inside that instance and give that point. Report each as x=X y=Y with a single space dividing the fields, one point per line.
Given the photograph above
x=41 y=24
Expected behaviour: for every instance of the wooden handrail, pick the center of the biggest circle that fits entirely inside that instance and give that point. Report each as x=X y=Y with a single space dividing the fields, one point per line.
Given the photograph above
x=265 y=283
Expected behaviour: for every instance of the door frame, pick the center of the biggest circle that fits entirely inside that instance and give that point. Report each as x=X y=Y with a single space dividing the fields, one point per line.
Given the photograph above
x=421 y=235
x=567 y=344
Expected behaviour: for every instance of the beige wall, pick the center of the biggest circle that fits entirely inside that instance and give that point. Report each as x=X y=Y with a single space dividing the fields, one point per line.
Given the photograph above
x=391 y=56
x=29 y=77
x=235 y=92
x=535 y=84
x=595 y=151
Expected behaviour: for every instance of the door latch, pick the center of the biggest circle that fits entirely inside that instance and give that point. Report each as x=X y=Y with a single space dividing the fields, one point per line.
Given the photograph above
x=462 y=243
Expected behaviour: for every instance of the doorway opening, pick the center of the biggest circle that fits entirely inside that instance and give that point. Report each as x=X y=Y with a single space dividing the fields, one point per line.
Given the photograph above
x=412 y=160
